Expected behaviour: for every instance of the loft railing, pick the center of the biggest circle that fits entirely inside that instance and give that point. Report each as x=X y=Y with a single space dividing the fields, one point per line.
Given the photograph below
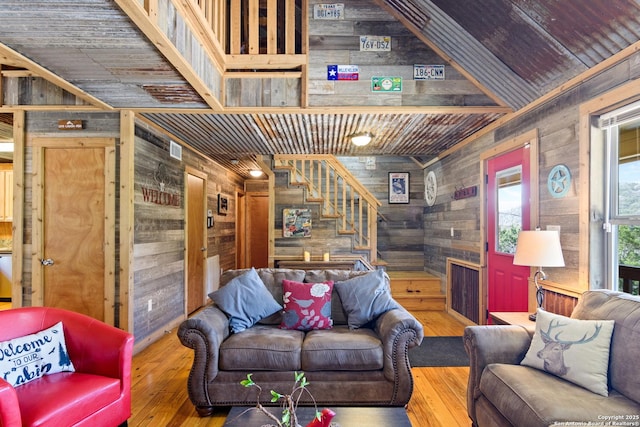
x=340 y=194
x=269 y=34
x=629 y=278
x=233 y=45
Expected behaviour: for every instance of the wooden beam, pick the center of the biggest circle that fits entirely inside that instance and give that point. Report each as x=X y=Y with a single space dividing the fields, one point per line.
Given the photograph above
x=140 y=18
x=127 y=195
x=18 y=250
x=9 y=56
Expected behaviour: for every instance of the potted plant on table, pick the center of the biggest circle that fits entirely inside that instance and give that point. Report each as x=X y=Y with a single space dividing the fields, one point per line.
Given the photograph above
x=290 y=403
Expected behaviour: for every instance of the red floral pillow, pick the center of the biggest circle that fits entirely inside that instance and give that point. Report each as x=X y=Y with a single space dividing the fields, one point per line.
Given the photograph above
x=307 y=306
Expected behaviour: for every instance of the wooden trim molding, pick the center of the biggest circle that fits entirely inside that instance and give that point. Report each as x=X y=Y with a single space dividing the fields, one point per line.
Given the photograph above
x=609 y=101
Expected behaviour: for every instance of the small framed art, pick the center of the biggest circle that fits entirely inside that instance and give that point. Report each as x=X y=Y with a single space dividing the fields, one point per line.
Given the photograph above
x=398 y=187
x=223 y=204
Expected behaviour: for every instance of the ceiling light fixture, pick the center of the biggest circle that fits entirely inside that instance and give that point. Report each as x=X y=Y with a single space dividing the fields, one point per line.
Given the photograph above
x=361 y=139
x=255 y=172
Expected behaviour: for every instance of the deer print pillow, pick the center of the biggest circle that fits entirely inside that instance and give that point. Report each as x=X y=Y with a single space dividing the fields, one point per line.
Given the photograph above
x=572 y=349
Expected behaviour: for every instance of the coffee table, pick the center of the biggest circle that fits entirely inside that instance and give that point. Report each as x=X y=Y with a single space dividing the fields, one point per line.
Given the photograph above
x=345 y=416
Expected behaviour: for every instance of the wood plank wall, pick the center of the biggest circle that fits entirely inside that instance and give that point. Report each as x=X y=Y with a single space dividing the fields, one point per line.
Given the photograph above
x=558 y=124
x=159 y=230
x=338 y=43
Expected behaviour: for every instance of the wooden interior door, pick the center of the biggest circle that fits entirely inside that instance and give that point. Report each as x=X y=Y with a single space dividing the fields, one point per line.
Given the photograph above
x=508 y=211
x=74 y=195
x=196 y=246
x=257 y=215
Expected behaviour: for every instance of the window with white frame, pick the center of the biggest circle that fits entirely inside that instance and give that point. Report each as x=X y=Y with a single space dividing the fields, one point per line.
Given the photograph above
x=622 y=198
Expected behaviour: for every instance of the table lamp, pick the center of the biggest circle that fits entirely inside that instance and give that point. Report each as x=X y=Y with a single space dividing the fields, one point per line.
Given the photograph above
x=539 y=248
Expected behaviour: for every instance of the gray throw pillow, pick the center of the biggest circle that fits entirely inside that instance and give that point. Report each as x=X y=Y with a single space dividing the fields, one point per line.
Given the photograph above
x=364 y=298
x=245 y=300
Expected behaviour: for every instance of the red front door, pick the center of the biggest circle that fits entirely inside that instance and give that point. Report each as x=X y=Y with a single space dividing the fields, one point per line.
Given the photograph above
x=508 y=192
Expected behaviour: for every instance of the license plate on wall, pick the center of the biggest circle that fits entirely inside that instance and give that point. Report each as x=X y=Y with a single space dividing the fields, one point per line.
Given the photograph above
x=375 y=43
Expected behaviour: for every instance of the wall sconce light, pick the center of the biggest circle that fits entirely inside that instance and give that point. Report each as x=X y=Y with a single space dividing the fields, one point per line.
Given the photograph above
x=255 y=173
x=361 y=139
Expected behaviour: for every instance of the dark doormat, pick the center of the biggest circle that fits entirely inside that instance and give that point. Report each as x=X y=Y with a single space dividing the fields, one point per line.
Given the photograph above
x=439 y=351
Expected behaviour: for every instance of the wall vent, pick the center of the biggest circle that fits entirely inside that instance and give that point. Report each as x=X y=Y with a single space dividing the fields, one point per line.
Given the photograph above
x=463 y=290
x=175 y=150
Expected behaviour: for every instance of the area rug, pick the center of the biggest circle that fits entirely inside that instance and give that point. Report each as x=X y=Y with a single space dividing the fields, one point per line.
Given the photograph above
x=439 y=351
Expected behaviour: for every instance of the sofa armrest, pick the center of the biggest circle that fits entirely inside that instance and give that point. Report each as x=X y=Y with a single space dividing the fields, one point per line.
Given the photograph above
x=399 y=331
x=204 y=332
x=491 y=344
x=109 y=352
x=9 y=406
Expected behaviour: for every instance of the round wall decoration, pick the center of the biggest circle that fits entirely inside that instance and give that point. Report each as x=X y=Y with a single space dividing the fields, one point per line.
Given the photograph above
x=559 y=181
x=430 y=188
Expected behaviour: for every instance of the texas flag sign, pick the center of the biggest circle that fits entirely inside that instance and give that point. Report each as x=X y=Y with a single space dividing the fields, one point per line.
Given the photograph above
x=342 y=72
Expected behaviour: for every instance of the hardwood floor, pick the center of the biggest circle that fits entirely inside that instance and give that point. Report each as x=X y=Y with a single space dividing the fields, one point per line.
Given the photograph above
x=160 y=374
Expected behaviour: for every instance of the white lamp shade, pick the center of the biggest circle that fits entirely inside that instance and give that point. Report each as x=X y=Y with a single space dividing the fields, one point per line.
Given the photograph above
x=539 y=248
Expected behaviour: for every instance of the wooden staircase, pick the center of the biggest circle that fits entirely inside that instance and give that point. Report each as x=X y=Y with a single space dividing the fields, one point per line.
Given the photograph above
x=417 y=290
x=341 y=197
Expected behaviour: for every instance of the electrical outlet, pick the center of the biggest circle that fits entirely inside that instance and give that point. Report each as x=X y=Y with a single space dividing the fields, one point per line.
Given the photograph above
x=150 y=305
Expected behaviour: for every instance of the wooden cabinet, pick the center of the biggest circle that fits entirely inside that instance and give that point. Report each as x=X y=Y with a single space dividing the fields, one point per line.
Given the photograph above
x=6 y=192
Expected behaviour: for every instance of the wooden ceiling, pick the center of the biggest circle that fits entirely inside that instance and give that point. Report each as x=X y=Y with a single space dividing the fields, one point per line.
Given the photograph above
x=515 y=53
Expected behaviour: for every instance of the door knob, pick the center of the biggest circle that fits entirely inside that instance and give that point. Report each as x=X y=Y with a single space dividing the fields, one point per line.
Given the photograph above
x=203 y=249
x=46 y=262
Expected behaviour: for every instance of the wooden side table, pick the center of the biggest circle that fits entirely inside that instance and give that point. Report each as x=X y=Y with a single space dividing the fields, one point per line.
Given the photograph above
x=513 y=318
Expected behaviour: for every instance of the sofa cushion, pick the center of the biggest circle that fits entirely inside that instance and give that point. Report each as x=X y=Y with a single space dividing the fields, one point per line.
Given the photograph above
x=262 y=348
x=338 y=314
x=530 y=397
x=624 y=309
x=30 y=357
x=246 y=300
x=307 y=306
x=65 y=398
x=576 y=350
x=365 y=297
x=341 y=349
x=272 y=279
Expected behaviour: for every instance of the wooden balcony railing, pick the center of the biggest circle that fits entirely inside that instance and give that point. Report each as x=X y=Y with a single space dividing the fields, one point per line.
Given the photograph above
x=629 y=279
x=258 y=34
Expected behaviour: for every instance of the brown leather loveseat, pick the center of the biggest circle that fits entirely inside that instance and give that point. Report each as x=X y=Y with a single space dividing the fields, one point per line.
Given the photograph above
x=367 y=366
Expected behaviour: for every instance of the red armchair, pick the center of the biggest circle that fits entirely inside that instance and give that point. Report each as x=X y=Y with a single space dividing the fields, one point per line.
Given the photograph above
x=98 y=393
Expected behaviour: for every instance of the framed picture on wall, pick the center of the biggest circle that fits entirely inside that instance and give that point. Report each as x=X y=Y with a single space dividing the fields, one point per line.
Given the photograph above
x=398 y=187
x=296 y=222
x=223 y=204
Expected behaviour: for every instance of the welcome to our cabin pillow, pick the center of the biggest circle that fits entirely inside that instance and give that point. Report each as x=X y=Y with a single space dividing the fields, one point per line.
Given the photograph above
x=30 y=357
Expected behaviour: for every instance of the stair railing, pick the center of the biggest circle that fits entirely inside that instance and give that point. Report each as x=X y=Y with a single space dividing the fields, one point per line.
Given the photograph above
x=340 y=195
